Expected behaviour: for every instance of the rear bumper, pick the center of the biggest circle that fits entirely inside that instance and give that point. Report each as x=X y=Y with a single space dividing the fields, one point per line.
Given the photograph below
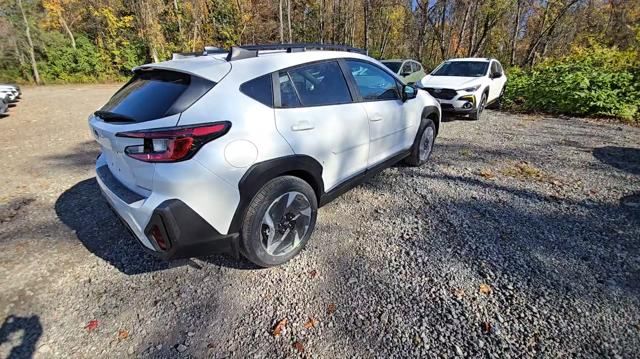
x=186 y=233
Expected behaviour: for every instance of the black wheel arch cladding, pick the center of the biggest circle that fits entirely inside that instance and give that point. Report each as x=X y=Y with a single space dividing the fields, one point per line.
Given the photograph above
x=302 y=166
x=432 y=113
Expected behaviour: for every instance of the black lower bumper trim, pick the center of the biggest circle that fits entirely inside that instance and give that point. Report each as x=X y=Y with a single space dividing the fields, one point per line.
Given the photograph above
x=457 y=111
x=188 y=234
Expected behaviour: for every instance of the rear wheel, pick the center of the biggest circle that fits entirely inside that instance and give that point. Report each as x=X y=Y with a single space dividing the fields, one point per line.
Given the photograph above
x=279 y=221
x=423 y=146
x=481 y=105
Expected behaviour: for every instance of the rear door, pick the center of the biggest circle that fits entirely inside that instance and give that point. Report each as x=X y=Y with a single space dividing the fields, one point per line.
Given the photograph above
x=151 y=99
x=389 y=127
x=316 y=114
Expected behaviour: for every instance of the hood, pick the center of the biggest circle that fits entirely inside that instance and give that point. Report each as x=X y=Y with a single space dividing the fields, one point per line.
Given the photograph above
x=450 y=82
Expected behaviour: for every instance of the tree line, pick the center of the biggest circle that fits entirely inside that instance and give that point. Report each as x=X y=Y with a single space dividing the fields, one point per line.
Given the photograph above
x=100 y=40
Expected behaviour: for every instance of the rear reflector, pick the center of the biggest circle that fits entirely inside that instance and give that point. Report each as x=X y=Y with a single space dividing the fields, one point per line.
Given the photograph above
x=173 y=144
x=156 y=235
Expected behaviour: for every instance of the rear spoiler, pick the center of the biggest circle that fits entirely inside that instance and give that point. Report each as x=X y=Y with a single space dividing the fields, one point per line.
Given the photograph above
x=208 y=50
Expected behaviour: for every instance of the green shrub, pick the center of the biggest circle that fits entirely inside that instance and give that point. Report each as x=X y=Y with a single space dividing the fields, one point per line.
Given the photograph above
x=61 y=63
x=591 y=82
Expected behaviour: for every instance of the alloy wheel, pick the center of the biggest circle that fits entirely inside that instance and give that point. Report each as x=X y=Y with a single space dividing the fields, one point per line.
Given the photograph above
x=285 y=223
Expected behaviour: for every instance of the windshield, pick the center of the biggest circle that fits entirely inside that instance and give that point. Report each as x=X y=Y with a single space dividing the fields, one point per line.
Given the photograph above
x=392 y=65
x=462 y=68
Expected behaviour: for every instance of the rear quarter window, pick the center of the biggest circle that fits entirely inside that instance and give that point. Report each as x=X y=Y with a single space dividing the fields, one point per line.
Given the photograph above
x=155 y=94
x=259 y=89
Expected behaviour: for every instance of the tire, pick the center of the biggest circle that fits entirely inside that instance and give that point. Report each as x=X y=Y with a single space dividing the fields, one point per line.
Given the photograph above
x=483 y=102
x=497 y=104
x=274 y=230
x=424 y=140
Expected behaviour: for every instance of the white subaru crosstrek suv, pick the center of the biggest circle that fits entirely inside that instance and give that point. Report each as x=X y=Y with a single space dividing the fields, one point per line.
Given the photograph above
x=466 y=86
x=235 y=152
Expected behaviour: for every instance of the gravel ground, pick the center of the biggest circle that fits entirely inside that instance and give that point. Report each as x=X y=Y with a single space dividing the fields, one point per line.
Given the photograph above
x=520 y=238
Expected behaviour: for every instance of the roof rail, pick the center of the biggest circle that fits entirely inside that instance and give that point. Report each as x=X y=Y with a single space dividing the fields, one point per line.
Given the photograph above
x=237 y=53
x=248 y=51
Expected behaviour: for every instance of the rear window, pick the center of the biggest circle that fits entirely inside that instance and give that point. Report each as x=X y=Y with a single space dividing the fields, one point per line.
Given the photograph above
x=155 y=94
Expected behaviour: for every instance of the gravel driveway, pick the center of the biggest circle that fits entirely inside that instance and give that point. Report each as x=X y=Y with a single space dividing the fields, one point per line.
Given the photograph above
x=520 y=238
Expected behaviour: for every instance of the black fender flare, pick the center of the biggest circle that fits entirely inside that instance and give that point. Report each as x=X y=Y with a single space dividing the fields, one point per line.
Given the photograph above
x=305 y=167
x=428 y=111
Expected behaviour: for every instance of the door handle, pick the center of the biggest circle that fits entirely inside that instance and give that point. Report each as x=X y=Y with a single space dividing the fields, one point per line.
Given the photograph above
x=376 y=118
x=302 y=126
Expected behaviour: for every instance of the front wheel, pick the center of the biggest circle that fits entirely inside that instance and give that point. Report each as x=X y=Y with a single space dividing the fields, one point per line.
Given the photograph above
x=423 y=146
x=279 y=221
x=481 y=105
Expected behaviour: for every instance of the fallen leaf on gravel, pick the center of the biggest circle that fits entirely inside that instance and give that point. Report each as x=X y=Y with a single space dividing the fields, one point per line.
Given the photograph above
x=299 y=347
x=485 y=289
x=331 y=308
x=92 y=325
x=458 y=293
x=313 y=274
x=123 y=334
x=486 y=173
x=311 y=323
x=279 y=327
x=486 y=327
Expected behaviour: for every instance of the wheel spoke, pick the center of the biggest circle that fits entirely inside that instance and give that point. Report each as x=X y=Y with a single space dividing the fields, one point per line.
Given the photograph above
x=284 y=241
x=287 y=219
x=268 y=221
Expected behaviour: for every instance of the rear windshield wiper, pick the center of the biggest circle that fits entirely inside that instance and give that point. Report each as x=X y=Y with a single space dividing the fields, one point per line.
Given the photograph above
x=113 y=117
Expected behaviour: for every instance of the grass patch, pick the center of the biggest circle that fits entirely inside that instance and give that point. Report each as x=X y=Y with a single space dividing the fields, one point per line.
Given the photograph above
x=524 y=171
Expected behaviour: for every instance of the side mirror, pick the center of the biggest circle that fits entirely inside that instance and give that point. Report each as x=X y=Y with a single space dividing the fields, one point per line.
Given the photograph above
x=496 y=75
x=409 y=92
x=405 y=74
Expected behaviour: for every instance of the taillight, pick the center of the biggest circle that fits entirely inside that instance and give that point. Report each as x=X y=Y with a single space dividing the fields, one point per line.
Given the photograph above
x=173 y=144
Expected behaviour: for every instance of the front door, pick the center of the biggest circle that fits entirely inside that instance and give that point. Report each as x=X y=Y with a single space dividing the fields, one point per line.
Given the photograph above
x=389 y=128
x=497 y=82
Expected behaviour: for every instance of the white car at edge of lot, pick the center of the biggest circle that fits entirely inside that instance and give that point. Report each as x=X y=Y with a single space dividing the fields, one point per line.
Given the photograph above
x=235 y=152
x=4 y=104
x=466 y=86
x=13 y=92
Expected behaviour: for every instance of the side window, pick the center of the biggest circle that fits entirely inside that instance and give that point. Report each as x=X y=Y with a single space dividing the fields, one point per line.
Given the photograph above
x=406 y=68
x=288 y=95
x=373 y=83
x=320 y=84
x=417 y=67
x=259 y=89
x=499 y=67
x=494 y=67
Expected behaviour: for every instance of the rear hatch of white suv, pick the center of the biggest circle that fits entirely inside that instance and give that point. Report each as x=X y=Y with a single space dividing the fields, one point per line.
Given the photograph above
x=152 y=100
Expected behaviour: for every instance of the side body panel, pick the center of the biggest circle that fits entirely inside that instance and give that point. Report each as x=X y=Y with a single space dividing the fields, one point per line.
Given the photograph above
x=337 y=136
